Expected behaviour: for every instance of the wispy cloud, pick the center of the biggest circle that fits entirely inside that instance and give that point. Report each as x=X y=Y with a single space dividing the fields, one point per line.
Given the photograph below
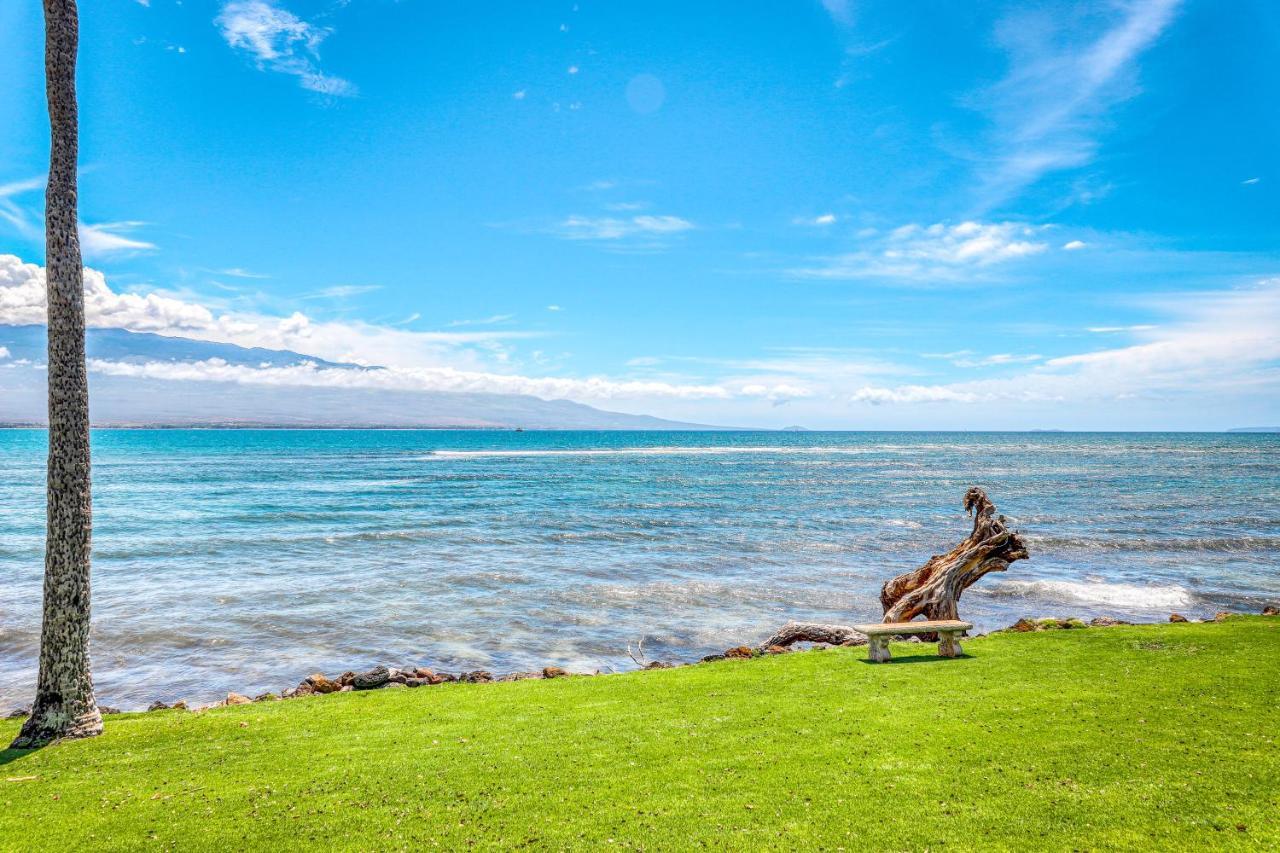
x=1048 y=111
x=493 y=320
x=109 y=238
x=1220 y=341
x=621 y=228
x=17 y=215
x=938 y=252
x=342 y=291
x=820 y=221
x=841 y=11
x=238 y=272
x=279 y=40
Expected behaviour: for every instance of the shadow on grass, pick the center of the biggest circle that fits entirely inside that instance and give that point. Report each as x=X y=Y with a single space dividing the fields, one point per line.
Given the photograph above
x=10 y=755
x=917 y=659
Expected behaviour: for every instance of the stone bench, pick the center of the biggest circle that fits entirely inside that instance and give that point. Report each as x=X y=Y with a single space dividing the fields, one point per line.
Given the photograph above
x=947 y=631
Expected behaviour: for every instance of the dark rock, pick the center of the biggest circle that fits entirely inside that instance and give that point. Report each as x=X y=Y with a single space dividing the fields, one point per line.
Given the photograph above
x=266 y=697
x=19 y=713
x=852 y=641
x=321 y=684
x=1105 y=622
x=180 y=705
x=1271 y=610
x=479 y=676
x=1022 y=626
x=657 y=664
x=373 y=679
x=398 y=675
x=107 y=709
x=441 y=678
x=157 y=706
x=553 y=672
x=712 y=658
x=1177 y=617
x=416 y=682
x=347 y=678
x=740 y=653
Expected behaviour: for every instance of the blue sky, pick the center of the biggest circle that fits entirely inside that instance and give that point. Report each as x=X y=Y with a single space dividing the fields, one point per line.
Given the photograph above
x=850 y=215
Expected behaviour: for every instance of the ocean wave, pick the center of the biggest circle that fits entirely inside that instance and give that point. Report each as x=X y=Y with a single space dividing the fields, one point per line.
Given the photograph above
x=1125 y=595
x=436 y=455
x=1157 y=543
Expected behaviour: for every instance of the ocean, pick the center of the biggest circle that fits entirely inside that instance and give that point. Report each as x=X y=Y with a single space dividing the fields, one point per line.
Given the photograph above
x=246 y=559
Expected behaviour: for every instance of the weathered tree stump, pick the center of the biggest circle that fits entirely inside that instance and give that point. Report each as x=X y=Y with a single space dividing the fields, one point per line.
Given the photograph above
x=934 y=589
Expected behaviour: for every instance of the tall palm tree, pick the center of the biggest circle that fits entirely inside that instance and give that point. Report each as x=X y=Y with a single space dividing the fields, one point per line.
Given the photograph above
x=64 y=705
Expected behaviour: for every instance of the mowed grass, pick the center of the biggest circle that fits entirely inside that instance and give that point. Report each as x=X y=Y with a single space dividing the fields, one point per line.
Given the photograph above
x=1147 y=737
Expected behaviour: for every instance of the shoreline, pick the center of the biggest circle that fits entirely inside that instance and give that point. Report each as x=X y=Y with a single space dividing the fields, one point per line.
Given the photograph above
x=382 y=676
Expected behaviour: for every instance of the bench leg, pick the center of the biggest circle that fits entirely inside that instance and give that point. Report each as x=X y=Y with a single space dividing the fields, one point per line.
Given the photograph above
x=948 y=645
x=878 y=650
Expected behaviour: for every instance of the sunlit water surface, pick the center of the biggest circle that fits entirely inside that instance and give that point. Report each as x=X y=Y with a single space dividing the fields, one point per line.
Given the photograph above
x=244 y=560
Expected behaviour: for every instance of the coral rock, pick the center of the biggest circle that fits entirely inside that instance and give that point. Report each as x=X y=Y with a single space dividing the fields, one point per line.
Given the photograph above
x=1177 y=617
x=739 y=653
x=553 y=672
x=320 y=684
x=236 y=699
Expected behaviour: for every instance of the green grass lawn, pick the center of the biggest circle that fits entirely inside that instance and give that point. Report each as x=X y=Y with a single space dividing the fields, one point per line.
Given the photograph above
x=1152 y=737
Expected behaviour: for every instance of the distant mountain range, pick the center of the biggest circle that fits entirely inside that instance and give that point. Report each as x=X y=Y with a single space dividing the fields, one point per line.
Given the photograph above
x=133 y=401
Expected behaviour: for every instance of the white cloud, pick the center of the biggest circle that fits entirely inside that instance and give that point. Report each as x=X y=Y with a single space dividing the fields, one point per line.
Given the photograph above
x=519 y=95
x=554 y=308
x=824 y=219
x=573 y=69
x=936 y=252
x=620 y=228
x=1074 y=245
x=280 y=41
x=1250 y=181
x=405 y=360
x=108 y=238
x=1219 y=342
x=22 y=301
x=415 y=379
x=1048 y=111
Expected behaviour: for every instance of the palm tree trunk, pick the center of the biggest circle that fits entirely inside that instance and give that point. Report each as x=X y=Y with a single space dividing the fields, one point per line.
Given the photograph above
x=64 y=705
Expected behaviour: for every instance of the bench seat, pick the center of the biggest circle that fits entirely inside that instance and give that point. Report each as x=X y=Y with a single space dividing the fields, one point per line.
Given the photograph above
x=947 y=630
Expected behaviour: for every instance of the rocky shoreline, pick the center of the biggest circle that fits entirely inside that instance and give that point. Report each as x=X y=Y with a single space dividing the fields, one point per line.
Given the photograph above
x=383 y=677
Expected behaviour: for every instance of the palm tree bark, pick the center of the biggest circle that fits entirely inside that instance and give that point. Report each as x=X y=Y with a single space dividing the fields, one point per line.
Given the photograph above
x=64 y=706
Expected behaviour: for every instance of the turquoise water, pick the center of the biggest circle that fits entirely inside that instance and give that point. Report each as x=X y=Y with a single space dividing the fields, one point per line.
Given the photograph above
x=247 y=559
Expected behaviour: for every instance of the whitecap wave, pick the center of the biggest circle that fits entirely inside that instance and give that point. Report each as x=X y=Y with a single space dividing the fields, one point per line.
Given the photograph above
x=1124 y=595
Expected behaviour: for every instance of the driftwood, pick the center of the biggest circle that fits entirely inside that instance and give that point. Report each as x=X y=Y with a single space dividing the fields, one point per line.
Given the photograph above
x=809 y=632
x=934 y=589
